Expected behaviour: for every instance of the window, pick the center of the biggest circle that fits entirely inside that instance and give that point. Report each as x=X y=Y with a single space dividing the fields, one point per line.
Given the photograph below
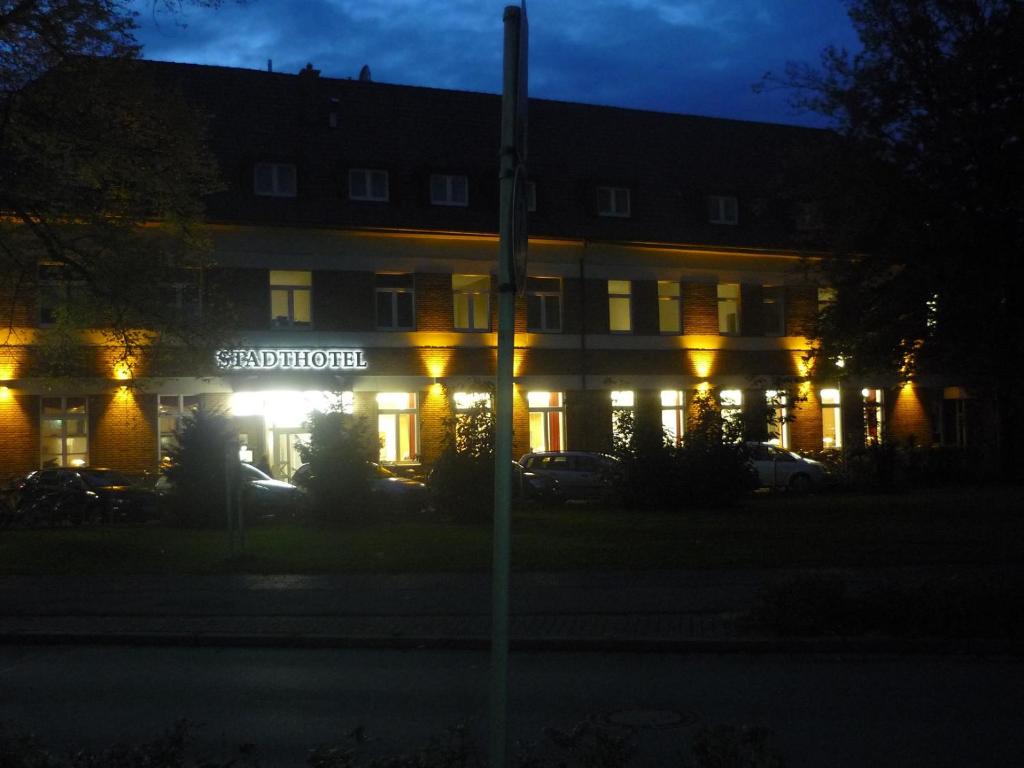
x=613 y=201
x=831 y=420
x=872 y=416
x=669 y=306
x=623 y=403
x=547 y=421
x=395 y=306
x=474 y=420
x=171 y=410
x=731 y=403
x=291 y=293
x=729 y=308
x=543 y=304
x=673 y=415
x=63 y=432
x=826 y=298
x=620 y=314
x=56 y=292
x=274 y=179
x=447 y=189
x=778 y=417
x=723 y=209
x=367 y=184
x=184 y=298
x=397 y=427
x=471 y=296
x=773 y=310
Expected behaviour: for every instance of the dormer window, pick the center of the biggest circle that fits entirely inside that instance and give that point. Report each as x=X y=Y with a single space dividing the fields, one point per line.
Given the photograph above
x=274 y=179
x=368 y=184
x=449 y=189
x=613 y=201
x=723 y=209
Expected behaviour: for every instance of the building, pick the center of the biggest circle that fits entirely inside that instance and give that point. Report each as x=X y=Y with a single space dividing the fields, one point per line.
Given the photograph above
x=357 y=239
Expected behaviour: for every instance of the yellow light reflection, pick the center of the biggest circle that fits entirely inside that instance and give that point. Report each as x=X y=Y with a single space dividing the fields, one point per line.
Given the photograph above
x=5 y=394
x=123 y=370
x=435 y=361
x=704 y=387
x=703 y=362
x=803 y=364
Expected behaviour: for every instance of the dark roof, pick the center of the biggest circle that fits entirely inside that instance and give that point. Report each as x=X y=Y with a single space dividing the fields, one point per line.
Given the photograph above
x=671 y=163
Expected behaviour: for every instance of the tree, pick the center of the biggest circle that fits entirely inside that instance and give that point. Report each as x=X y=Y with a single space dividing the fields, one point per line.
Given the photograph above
x=340 y=448
x=924 y=206
x=199 y=463
x=102 y=178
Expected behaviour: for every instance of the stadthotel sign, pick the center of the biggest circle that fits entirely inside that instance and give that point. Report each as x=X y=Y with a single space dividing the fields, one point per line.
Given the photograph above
x=291 y=359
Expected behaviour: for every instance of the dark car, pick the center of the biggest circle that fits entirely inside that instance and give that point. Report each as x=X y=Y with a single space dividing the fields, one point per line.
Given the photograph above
x=76 y=495
x=263 y=498
x=581 y=475
x=532 y=487
x=388 y=490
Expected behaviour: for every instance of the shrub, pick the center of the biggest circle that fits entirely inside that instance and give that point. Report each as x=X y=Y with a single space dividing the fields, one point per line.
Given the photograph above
x=198 y=468
x=462 y=480
x=339 y=453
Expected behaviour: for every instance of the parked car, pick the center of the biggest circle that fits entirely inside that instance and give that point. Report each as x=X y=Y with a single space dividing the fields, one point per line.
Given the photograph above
x=581 y=476
x=533 y=487
x=263 y=497
x=76 y=495
x=390 y=491
x=778 y=468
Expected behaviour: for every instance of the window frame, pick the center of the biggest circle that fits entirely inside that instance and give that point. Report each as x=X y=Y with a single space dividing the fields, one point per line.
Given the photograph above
x=776 y=300
x=675 y=299
x=471 y=306
x=722 y=300
x=677 y=409
x=613 y=210
x=367 y=180
x=395 y=291
x=180 y=411
x=291 y=290
x=719 y=208
x=412 y=415
x=277 y=188
x=618 y=296
x=65 y=416
x=449 y=199
x=550 y=414
x=537 y=294
x=835 y=417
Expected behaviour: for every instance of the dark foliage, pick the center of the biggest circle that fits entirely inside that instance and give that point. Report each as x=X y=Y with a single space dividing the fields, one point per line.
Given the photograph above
x=462 y=480
x=205 y=452
x=339 y=453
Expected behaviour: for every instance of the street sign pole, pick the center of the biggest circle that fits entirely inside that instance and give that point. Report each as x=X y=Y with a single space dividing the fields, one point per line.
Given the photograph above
x=511 y=254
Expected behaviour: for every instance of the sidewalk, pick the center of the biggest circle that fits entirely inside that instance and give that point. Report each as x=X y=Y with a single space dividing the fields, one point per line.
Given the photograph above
x=629 y=612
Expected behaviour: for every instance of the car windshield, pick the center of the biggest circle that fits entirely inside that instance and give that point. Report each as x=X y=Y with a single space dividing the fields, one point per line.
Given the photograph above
x=249 y=472
x=103 y=478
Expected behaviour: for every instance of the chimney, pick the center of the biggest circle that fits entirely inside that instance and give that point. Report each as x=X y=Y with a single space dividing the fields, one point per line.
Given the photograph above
x=308 y=78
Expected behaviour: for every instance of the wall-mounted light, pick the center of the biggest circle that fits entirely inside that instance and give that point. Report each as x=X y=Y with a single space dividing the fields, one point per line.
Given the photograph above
x=5 y=393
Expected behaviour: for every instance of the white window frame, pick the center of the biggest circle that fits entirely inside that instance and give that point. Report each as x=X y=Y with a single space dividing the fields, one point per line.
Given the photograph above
x=873 y=401
x=618 y=291
x=730 y=405
x=65 y=417
x=367 y=177
x=831 y=413
x=537 y=295
x=673 y=415
x=773 y=302
x=472 y=299
x=394 y=291
x=723 y=301
x=291 y=290
x=778 y=428
x=723 y=209
x=284 y=180
x=547 y=412
x=177 y=410
x=614 y=201
x=449 y=198
x=400 y=414
x=623 y=401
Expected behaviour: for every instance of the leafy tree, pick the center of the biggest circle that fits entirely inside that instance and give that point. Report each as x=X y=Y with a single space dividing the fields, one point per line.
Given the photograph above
x=340 y=449
x=198 y=467
x=102 y=176
x=924 y=205
x=462 y=481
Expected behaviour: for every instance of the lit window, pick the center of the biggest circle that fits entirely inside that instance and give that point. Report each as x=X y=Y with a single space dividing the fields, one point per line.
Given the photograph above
x=669 y=305
x=470 y=432
x=471 y=296
x=826 y=298
x=543 y=304
x=872 y=416
x=673 y=415
x=613 y=201
x=274 y=179
x=547 y=421
x=465 y=401
x=831 y=419
x=731 y=403
x=291 y=298
x=395 y=307
x=723 y=209
x=623 y=403
x=446 y=189
x=773 y=310
x=63 y=432
x=729 y=308
x=171 y=410
x=397 y=427
x=367 y=184
x=778 y=417
x=620 y=314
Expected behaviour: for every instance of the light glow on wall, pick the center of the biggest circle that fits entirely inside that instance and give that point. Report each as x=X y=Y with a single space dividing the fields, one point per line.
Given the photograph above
x=5 y=394
x=283 y=408
x=123 y=370
x=703 y=361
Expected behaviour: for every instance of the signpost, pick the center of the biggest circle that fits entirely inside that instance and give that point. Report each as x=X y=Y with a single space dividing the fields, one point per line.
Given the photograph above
x=511 y=278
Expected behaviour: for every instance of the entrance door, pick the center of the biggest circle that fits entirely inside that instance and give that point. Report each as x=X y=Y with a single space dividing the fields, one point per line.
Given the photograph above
x=286 y=453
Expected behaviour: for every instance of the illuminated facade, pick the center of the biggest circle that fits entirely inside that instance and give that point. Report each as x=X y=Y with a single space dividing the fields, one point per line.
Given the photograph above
x=357 y=240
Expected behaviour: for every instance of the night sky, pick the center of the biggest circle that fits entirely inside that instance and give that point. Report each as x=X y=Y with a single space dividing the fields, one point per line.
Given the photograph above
x=690 y=56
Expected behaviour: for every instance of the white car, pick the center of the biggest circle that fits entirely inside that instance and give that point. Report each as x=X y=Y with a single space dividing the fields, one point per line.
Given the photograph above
x=779 y=468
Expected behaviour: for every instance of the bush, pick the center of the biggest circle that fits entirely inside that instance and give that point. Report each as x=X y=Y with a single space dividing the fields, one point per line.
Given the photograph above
x=339 y=454
x=198 y=469
x=462 y=480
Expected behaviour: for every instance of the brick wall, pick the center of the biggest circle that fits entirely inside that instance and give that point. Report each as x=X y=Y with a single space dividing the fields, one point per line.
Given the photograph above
x=805 y=429
x=908 y=415
x=700 y=308
x=434 y=309
x=19 y=426
x=751 y=310
x=434 y=411
x=122 y=431
x=801 y=309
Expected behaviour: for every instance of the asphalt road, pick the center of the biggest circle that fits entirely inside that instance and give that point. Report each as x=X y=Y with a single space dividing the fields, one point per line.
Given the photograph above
x=824 y=710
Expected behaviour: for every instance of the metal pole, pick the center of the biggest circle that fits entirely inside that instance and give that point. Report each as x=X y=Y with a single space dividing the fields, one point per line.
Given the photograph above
x=512 y=102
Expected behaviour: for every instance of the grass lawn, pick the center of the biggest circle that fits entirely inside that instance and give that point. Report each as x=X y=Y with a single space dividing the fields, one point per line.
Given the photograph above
x=963 y=525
